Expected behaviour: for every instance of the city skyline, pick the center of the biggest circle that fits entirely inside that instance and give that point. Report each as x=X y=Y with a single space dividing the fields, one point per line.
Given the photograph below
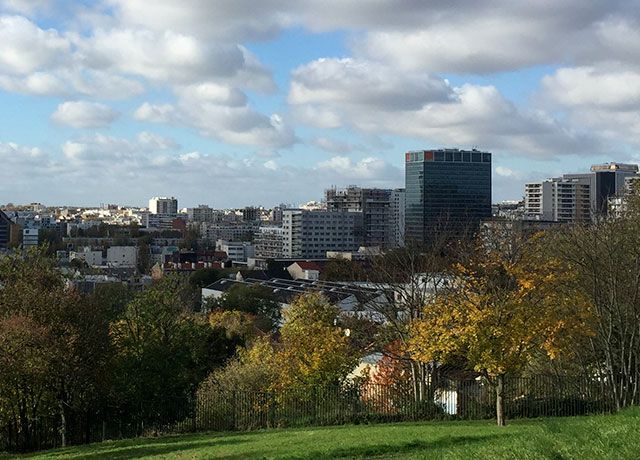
x=118 y=101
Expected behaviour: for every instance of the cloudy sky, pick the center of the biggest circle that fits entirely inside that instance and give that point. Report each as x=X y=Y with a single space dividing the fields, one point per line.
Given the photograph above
x=237 y=102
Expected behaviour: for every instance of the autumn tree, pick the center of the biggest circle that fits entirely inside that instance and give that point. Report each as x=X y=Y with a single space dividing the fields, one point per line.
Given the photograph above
x=508 y=303
x=313 y=349
x=410 y=278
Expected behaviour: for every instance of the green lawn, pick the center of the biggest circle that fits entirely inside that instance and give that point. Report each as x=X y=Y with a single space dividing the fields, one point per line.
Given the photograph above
x=597 y=437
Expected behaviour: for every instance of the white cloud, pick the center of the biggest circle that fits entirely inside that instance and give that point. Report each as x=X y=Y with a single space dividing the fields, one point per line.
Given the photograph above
x=223 y=113
x=25 y=48
x=469 y=115
x=155 y=113
x=83 y=114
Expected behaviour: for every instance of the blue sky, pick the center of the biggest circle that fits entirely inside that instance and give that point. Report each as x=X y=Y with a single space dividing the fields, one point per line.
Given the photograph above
x=232 y=103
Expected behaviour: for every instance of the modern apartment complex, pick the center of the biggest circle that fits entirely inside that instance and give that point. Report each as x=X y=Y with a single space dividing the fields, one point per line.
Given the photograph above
x=576 y=197
x=447 y=190
x=268 y=242
x=310 y=234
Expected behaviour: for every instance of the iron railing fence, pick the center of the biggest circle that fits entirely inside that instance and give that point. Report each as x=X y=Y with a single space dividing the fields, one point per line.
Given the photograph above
x=218 y=410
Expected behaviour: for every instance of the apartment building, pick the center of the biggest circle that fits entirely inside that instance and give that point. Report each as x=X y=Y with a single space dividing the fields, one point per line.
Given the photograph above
x=310 y=234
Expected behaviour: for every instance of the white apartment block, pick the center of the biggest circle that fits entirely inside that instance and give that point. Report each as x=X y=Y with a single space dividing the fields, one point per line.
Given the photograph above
x=163 y=205
x=122 y=256
x=237 y=251
x=30 y=237
x=310 y=234
x=559 y=199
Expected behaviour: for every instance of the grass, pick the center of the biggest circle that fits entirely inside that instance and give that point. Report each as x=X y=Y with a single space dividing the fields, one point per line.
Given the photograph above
x=595 y=437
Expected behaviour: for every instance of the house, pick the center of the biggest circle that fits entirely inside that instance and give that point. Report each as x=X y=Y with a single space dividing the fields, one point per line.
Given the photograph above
x=304 y=270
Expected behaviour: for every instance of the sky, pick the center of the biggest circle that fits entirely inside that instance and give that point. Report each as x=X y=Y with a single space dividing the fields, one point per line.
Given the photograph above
x=237 y=102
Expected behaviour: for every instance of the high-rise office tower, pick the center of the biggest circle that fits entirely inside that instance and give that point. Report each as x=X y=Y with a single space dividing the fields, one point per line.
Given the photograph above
x=448 y=193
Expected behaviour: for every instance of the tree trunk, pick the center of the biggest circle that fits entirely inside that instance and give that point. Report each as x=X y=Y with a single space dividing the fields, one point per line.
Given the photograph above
x=63 y=425
x=500 y=400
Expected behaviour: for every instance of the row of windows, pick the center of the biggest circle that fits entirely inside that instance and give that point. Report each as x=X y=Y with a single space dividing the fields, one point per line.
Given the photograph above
x=455 y=156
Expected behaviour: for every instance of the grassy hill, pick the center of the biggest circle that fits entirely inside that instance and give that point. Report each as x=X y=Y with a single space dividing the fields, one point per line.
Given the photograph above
x=596 y=437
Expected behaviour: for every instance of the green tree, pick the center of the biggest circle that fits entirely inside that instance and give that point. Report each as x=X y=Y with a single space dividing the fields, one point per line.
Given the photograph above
x=163 y=350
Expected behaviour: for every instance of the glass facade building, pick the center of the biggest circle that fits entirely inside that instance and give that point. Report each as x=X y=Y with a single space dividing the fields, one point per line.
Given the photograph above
x=446 y=191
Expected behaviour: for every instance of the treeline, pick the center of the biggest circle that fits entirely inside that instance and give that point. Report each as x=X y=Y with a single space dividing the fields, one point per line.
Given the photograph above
x=506 y=304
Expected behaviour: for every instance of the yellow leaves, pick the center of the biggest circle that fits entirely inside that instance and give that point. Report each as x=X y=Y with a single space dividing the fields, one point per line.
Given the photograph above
x=504 y=311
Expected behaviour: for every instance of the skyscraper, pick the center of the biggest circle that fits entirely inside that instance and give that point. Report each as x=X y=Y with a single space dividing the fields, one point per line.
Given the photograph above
x=447 y=190
x=163 y=205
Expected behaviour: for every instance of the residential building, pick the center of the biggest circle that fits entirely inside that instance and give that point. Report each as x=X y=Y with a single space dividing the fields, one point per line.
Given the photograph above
x=30 y=237
x=122 y=256
x=577 y=197
x=564 y=199
x=93 y=258
x=201 y=213
x=163 y=205
x=304 y=270
x=397 y=217
x=251 y=214
x=268 y=241
x=375 y=206
x=310 y=234
x=229 y=231
x=448 y=193
x=237 y=251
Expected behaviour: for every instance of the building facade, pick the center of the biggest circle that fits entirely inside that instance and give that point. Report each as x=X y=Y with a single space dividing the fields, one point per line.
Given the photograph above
x=310 y=234
x=396 y=222
x=268 y=242
x=163 y=205
x=6 y=226
x=448 y=192
x=375 y=206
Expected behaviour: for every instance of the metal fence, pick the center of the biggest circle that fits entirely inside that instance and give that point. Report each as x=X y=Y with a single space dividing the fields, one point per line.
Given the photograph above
x=449 y=399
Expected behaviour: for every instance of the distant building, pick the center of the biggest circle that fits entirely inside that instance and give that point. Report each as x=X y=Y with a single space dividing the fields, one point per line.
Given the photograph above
x=163 y=205
x=122 y=256
x=577 y=197
x=609 y=180
x=377 y=213
x=6 y=226
x=304 y=270
x=30 y=237
x=310 y=234
x=93 y=258
x=251 y=214
x=237 y=251
x=397 y=217
x=268 y=242
x=561 y=199
x=202 y=213
x=447 y=191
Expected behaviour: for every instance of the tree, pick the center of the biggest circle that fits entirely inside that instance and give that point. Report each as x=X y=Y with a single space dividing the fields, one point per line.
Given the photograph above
x=254 y=299
x=606 y=256
x=313 y=350
x=410 y=278
x=53 y=345
x=508 y=303
x=163 y=351
x=342 y=270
